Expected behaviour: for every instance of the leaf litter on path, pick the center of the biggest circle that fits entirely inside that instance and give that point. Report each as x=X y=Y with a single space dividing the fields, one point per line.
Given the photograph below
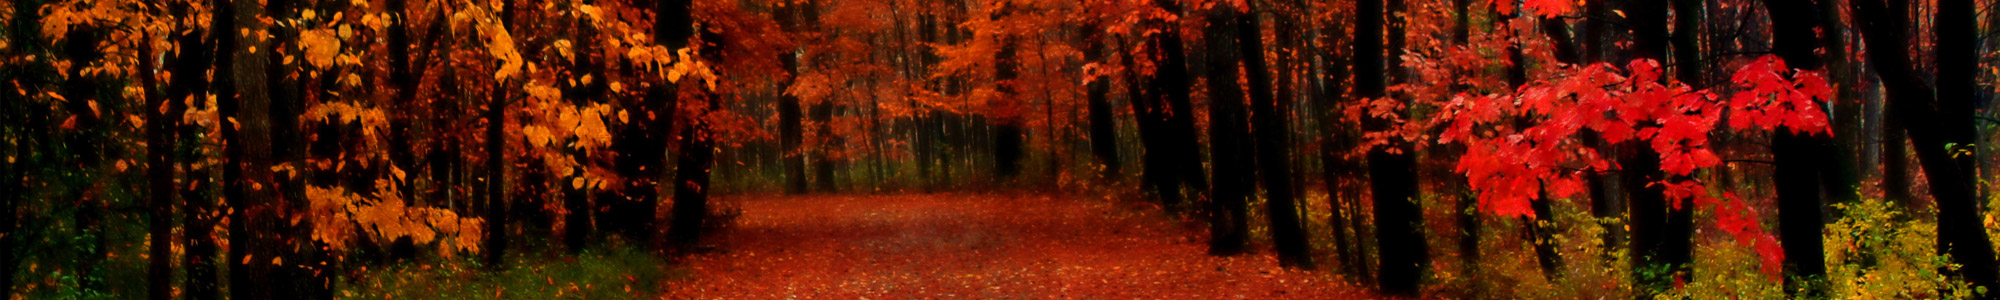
x=975 y=246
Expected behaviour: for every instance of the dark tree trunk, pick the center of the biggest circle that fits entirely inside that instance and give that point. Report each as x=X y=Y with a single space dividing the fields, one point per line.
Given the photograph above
x=1468 y=213
x=1798 y=156
x=1931 y=130
x=24 y=38
x=255 y=229
x=197 y=225
x=1391 y=167
x=697 y=155
x=495 y=244
x=823 y=175
x=1659 y=237
x=15 y=187
x=1170 y=90
x=1229 y=141
x=790 y=131
x=1103 y=130
x=1156 y=172
x=1273 y=148
x=1339 y=172
x=276 y=102
x=159 y=177
x=85 y=151
x=401 y=153
x=1895 y=160
x=227 y=107
x=1007 y=133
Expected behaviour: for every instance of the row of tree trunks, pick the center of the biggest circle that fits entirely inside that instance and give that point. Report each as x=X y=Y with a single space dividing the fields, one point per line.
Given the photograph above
x=1936 y=120
x=20 y=119
x=1273 y=147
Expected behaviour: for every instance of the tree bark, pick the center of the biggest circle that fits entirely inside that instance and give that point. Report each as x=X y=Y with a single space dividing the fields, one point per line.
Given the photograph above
x=1103 y=130
x=197 y=225
x=1398 y=218
x=1273 y=148
x=159 y=176
x=1930 y=131
x=1170 y=90
x=1007 y=135
x=495 y=244
x=790 y=131
x=1229 y=141
x=1798 y=156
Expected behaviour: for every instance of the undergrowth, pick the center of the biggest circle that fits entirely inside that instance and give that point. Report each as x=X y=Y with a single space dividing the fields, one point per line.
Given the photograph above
x=615 y=273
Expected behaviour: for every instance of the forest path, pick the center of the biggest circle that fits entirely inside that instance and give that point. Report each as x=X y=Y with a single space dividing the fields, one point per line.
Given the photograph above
x=975 y=246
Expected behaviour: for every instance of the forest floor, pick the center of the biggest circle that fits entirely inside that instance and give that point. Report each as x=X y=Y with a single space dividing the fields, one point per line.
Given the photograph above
x=977 y=246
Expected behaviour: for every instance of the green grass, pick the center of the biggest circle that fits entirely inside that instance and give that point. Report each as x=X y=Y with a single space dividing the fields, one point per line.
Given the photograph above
x=618 y=273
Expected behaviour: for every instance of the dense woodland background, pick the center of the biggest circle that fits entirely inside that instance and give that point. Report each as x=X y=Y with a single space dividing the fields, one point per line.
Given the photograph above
x=296 y=149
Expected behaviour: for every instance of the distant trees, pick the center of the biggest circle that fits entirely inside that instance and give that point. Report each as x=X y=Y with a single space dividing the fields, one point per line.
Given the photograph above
x=321 y=136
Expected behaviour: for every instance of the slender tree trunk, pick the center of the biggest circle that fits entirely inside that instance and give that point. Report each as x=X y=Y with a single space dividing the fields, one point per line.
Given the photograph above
x=1469 y=222
x=1273 y=148
x=1339 y=172
x=1008 y=107
x=227 y=107
x=24 y=39
x=197 y=226
x=1229 y=138
x=160 y=127
x=790 y=131
x=86 y=151
x=1390 y=167
x=1659 y=243
x=495 y=245
x=1103 y=130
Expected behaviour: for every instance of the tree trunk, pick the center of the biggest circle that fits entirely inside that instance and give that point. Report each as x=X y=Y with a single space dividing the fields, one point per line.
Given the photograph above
x=1339 y=172
x=25 y=39
x=159 y=176
x=86 y=151
x=1273 y=148
x=790 y=132
x=1798 y=156
x=495 y=245
x=1929 y=130
x=1103 y=130
x=1398 y=218
x=1008 y=107
x=1659 y=240
x=697 y=154
x=197 y=226
x=1229 y=139
x=255 y=229
x=1170 y=87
